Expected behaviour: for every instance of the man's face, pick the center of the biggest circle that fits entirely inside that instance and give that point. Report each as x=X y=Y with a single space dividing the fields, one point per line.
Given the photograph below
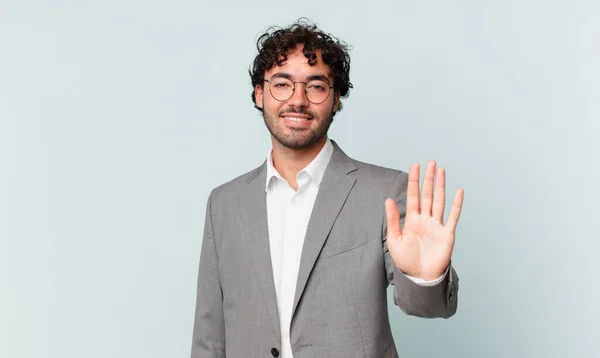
x=297 y=123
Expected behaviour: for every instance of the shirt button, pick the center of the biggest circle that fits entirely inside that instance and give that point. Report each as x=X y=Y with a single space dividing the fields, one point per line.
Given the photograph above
x=294 y=201
x=275 y=352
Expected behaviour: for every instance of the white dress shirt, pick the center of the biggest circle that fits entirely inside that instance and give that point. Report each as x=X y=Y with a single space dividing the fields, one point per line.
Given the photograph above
x=288 y=213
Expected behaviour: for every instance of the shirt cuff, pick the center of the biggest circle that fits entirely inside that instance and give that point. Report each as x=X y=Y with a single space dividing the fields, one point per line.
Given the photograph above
x=425 y=283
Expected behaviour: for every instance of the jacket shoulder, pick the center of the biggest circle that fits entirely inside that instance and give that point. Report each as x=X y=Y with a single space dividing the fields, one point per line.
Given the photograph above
x=379 y=173
x=232 y=188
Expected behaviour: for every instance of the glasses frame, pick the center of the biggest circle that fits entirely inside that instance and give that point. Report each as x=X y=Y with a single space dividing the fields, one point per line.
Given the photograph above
x=294 y=90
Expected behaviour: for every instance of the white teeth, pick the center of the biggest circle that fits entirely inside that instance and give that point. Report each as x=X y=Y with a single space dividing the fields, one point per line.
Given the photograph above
x=296 y=119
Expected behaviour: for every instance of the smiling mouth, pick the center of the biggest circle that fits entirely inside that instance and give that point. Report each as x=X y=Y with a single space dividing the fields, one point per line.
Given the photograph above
x=296 y=119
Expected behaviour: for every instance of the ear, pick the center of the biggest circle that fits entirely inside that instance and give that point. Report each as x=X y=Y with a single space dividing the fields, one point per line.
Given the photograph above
x=336 y=101
x=258 y=96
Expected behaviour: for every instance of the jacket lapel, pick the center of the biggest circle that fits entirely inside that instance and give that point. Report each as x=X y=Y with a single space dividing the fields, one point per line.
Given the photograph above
x=333 y=191
x=253 y=205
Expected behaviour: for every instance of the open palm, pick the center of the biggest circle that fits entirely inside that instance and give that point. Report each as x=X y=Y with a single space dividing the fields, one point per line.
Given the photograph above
x=423 y=247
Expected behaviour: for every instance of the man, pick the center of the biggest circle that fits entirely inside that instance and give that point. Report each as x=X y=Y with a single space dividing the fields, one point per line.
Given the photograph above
x=298 y=253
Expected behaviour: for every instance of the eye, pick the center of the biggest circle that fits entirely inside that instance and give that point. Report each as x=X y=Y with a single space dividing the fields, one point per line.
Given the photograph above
x=281 y=85
x=317 y=87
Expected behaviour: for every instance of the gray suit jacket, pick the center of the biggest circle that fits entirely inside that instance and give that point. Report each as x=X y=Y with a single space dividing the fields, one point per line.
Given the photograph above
x=340 y=306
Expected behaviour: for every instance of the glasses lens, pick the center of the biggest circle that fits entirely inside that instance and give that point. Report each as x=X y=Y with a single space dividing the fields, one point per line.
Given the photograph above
x=317 y=91
x=281 y=88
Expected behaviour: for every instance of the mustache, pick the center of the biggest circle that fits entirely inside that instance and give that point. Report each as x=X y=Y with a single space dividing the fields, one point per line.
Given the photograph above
x=303 y=111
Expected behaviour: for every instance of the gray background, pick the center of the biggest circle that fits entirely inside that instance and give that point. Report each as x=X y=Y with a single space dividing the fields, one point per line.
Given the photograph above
x=118 y=117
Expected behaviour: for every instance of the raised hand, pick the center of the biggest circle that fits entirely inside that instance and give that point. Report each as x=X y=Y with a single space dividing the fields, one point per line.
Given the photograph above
x=423 y=247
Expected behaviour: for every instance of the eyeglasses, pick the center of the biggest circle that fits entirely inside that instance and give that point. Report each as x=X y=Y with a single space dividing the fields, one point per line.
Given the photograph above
x=282 y=89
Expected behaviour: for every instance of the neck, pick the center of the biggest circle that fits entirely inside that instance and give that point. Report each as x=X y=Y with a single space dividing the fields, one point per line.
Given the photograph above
x=290 y=162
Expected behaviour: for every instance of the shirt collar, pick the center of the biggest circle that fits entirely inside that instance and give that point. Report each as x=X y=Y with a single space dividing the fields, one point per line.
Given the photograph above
x=315 y=169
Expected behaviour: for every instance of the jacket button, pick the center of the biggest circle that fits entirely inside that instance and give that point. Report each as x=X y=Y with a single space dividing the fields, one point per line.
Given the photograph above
x=275 y=352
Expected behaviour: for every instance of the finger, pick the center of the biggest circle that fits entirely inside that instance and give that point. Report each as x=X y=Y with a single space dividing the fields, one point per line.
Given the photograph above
x=412 y=191
x=393 y=218
x=439 y=196
x=427 y=192
x=455 y=211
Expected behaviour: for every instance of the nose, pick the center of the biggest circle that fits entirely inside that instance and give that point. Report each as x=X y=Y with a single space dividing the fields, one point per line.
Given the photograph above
x=298 y=98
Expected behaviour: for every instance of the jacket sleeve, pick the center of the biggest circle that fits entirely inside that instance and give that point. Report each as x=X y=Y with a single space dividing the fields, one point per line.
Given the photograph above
x=440 y=300
x=208 y=339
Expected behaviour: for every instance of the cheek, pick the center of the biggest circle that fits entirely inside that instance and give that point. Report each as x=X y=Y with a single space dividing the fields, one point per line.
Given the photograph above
x=326 y=109
x=268 y=102
x=270 y=105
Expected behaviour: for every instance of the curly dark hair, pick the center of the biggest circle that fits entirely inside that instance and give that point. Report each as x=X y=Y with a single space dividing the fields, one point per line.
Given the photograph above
x=276 y=43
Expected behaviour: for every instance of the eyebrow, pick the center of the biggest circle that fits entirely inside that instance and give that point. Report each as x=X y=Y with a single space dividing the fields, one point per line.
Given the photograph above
x=309 y=78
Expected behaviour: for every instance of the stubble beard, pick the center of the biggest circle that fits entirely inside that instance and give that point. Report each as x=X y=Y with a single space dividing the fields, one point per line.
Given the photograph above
x=297 y=138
